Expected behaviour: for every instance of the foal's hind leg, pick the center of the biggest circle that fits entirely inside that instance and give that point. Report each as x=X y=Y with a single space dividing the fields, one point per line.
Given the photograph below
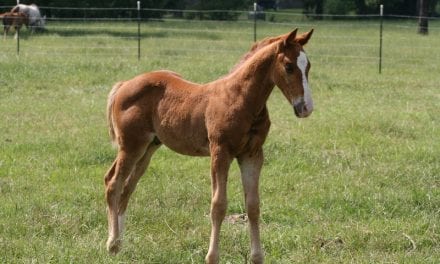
x=132 y=180
x=114 y=180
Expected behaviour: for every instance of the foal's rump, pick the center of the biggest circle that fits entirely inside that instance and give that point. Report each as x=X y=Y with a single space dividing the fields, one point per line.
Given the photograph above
x=159 y=104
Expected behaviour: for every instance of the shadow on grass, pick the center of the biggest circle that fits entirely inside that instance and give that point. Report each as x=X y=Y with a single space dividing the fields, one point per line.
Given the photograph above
x=119 y=30
x=113 y=33
x=130 y=31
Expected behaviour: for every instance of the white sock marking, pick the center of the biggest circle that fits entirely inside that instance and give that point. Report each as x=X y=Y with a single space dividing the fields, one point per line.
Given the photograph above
x=121 y=222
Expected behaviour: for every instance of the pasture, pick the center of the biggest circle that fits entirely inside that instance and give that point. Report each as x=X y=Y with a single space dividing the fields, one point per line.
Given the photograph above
x=356 y=182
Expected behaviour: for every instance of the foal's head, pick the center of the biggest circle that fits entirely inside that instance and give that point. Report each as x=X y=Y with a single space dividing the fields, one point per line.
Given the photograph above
x=291 y=71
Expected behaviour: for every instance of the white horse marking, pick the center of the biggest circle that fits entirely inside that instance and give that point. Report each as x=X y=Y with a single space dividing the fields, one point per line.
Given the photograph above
x=121 y=222
x=302 y=62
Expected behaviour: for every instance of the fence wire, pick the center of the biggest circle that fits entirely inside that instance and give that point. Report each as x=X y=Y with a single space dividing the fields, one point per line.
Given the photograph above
x=108 y=36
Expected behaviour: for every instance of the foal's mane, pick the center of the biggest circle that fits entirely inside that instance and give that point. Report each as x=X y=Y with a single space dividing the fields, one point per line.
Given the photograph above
x=256 y=47
x=265 y=42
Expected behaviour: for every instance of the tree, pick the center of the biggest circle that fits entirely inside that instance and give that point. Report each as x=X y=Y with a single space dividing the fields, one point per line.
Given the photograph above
x=339 y=7
x=423 y=16
x=362 y=7
x=224 y=7
x=314 y=6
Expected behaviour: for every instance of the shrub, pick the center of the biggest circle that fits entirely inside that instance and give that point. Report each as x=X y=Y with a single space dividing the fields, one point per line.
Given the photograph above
x=339 y=7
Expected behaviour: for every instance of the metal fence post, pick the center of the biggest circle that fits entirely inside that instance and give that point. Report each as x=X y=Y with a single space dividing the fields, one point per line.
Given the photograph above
x=139 y=29
x=255 y=21
x=380 y=45
x=18 y=41
x=18 y=35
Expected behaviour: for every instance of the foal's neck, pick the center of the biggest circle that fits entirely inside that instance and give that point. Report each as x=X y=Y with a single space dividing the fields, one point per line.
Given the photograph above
x=253 y=80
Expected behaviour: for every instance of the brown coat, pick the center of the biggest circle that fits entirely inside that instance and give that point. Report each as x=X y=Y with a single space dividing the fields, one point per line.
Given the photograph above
x=223 y=119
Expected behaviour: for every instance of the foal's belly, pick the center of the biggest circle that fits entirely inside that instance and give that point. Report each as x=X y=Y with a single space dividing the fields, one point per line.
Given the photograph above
x=183 y=135
x=185 y=144
x=180 y=124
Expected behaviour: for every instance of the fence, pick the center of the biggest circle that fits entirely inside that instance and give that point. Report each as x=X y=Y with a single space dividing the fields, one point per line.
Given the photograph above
x=107 y=31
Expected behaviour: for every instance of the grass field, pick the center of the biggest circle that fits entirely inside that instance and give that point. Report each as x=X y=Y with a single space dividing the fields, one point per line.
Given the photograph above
x=357 y=182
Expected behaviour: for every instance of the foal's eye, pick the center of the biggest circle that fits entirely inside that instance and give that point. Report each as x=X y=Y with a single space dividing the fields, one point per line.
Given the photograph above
x=289 y=67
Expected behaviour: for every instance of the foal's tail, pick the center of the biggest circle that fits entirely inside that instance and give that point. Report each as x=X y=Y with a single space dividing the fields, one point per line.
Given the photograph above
x=110 y=103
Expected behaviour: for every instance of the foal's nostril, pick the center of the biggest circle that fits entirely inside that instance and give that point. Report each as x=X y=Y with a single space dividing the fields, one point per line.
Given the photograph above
x=299 y=108
x=304 y=108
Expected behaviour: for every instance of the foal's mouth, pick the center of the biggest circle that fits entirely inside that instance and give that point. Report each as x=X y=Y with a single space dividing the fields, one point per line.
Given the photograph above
x=301 y=108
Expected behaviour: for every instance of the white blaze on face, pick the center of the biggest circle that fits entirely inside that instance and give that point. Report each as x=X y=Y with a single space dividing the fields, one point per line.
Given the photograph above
x=302 y=63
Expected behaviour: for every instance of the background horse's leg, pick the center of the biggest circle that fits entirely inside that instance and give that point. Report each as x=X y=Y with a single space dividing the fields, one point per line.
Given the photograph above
x=5 y=31
x=220 y=162
x=250 y=167
x=114 y=180
x=131 y=182
x=16 y=33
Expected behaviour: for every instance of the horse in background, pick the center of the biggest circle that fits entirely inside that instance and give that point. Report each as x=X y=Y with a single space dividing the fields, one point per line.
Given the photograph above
x=36 y=21
x=15 y=20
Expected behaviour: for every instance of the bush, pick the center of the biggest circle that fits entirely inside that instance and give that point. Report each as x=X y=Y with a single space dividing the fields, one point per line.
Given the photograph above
x=217 y=5
x=339 y=7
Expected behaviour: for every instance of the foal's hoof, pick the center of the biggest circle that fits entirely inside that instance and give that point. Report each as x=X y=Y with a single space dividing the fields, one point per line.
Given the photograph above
x=257 y=258
x=114 y=246
x=211 y=259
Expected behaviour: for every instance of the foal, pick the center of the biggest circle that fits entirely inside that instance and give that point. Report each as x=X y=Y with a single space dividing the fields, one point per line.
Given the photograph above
x=223 y=119
x=13 y=19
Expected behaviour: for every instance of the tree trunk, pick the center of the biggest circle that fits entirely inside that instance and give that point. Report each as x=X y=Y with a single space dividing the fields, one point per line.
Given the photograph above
x=319 y=9
x=361 y=8
x=423 y=16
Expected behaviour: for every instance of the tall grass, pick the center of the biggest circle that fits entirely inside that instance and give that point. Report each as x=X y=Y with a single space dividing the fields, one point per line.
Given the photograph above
x=357 y=182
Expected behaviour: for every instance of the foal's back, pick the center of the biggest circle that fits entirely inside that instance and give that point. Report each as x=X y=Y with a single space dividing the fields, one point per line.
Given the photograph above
x=163 y=105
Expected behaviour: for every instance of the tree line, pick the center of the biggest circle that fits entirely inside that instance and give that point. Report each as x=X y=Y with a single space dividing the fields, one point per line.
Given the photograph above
x=312 y=7
x=362 y=7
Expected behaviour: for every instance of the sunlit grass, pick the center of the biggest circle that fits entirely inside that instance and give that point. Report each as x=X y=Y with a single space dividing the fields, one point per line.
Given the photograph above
x=357 y=182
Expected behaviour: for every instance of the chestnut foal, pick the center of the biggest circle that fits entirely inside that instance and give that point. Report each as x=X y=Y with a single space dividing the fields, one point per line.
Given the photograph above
x=15 y=20
x=223 y=119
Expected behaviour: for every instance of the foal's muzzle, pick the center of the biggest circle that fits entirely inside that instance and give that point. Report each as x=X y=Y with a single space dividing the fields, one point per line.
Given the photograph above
x=302 y=108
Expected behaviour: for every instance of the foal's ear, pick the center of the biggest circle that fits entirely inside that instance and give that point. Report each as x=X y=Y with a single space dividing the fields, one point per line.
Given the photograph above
x=290 y=39
x=304 y=38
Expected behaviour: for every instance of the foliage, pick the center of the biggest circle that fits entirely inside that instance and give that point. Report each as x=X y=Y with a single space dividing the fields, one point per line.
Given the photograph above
x=338 y=7
x=217 y=5
x=314 y=6
x=201 y=5
x=398 y=7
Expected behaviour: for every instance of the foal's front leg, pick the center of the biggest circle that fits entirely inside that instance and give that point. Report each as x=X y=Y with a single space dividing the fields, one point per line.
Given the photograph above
x=220 y=162
x=250 y=167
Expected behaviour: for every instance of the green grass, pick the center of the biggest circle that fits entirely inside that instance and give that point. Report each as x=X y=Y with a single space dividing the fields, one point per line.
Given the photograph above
x=357 y=182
